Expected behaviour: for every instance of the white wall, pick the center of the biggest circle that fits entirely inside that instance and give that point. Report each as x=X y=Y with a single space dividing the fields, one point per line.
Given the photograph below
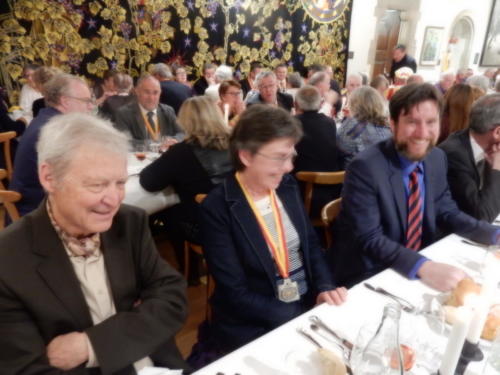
x=440 y=13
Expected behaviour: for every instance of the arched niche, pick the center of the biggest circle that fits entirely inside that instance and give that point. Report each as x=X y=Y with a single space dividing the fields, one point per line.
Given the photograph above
x=460 y=43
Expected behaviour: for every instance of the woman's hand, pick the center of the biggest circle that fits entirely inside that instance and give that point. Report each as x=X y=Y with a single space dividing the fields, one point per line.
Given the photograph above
x=333 y=297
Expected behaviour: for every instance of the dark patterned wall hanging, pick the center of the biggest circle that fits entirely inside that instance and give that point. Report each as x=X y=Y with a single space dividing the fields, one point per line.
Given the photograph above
x=90 y=37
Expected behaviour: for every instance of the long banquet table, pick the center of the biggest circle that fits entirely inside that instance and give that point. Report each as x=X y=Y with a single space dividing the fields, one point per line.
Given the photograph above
x=284 y=351
x=135 y=195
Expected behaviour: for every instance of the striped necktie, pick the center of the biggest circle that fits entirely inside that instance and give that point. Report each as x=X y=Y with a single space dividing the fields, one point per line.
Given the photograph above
x=415 y=214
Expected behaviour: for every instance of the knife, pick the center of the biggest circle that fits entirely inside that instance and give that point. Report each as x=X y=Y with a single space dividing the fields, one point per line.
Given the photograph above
x=316 y=320
x=405 y=305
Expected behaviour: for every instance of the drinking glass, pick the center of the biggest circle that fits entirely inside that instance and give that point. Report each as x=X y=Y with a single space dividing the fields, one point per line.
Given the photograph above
x=492 y=365
x=140 y=149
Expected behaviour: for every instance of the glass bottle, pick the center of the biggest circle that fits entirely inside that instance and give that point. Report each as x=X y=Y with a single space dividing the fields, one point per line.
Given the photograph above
x=382 y=353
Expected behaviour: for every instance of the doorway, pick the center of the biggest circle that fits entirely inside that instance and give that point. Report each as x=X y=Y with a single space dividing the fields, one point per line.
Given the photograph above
x=387 y=38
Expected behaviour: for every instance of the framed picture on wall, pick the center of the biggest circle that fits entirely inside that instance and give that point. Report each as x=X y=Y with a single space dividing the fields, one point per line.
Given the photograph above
x=491 y=46
x=431 y=47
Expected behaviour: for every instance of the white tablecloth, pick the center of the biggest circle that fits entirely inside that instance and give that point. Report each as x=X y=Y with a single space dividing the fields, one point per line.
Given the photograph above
x=135 y=195
x=283 y=351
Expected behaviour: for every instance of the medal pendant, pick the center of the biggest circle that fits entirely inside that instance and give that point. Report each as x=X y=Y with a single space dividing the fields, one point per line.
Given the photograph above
x=288 y=291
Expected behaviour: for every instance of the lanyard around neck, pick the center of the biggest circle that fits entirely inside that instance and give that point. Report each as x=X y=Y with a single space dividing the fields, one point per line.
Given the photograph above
x=154 y=133
x=279 y=249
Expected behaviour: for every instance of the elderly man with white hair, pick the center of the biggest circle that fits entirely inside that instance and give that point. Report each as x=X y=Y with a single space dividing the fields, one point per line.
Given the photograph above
x=267 y=86
x=446 y=80
x=64 y=93
x=82 y=288
x=222 y=73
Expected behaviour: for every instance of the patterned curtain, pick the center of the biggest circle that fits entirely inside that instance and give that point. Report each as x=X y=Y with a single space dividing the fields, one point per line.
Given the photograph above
x=88 y=37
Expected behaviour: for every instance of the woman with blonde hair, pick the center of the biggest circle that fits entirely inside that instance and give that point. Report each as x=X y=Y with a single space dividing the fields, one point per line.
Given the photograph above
x=193 y=166
x=367 y=125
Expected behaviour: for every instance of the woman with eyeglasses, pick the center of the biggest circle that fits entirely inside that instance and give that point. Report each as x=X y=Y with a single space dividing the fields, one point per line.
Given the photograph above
x=231 y=101
x=259 y=244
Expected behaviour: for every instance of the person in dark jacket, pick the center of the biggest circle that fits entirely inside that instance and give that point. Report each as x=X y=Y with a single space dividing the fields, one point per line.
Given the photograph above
x=317 y=150
x=192 y=167
x=260 y=246
x=401 y=59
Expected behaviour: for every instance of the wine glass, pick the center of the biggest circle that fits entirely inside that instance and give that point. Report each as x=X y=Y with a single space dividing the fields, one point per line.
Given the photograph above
x=492 y=365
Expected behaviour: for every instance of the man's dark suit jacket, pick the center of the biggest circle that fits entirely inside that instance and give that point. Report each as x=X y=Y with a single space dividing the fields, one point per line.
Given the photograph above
x=407 y=61
x=317 y=151
x=41 y=298
x=200 y=86
x=371 y=229
x=284 y=100
x=464 y=179
x=174 y=94
x=245 y=303
x=25 y=177
x=129 y=119
x=112 y=104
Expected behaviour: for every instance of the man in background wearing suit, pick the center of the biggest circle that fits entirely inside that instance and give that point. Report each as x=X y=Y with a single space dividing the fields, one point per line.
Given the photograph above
x=147 y=118
x=268 y=93
x=395 y=198
x=83 y=289
x=474 y=161
x=173 y=93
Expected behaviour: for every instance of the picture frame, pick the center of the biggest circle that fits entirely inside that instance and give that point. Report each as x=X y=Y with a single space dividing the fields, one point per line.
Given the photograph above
x=431 y=46
x=490 y=55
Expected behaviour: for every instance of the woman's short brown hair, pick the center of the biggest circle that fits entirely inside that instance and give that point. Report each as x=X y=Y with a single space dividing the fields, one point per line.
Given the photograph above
x=259 y=125
x=225 y=85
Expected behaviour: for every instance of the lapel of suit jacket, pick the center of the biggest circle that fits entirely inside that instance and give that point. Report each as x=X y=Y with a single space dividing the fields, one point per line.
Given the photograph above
x=119 y=264
x=396 y=180
x=464 y=137
x=249 y=226
x=162 y=121
x=56 y=269
x=139 y=120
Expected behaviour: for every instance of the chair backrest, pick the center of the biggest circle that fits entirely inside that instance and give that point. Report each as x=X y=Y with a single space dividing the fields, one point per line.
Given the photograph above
x=7 y=200
x=328 y=214
x=5 y=138
x=319 y=178
x=3 y=175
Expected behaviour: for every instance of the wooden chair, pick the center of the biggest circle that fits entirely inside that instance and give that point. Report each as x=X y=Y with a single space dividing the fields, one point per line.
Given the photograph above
x=317 y=178
x=7 y=200
x=3 y=175
x=188 y=247
x=5 y=138
x=328 y=214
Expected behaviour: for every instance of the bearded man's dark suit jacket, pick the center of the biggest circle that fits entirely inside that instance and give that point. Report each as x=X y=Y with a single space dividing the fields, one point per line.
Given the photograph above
x=129 y=119
x=41 y=298
x=371 y=229
x=464 y=179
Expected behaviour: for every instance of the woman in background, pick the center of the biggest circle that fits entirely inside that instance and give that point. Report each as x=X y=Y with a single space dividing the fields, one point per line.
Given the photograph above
x=367 y=125
x=193 y=166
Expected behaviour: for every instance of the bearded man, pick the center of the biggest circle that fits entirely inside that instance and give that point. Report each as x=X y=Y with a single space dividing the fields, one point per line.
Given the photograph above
x=396 y=200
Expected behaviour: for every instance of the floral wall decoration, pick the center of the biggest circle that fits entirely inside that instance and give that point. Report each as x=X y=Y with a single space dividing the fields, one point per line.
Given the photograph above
x=88 y=37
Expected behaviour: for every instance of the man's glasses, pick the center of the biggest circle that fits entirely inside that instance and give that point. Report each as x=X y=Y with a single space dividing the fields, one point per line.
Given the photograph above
x=234 y=93
x=280 y=159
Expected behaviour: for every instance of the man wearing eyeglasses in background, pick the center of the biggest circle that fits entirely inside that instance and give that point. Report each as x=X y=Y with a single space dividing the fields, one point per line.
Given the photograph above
x=267 y=84
x=64 y=93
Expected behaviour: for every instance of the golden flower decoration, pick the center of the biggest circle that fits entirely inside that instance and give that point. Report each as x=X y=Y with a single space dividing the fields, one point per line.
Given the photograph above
x=95 y=7
x=14 y=70
x=185 y=25
x=165 y=46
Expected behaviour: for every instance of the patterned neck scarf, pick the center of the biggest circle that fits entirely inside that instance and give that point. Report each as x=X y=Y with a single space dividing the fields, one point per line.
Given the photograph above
x=85 y=247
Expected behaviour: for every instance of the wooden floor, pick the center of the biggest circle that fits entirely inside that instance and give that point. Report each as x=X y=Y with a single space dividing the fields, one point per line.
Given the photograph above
x=196 y=300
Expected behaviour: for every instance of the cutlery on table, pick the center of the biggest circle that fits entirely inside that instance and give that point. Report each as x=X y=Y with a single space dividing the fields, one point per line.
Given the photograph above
x=323 y=351
x=321 y=324
x=473 y=243
x=405 y=305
